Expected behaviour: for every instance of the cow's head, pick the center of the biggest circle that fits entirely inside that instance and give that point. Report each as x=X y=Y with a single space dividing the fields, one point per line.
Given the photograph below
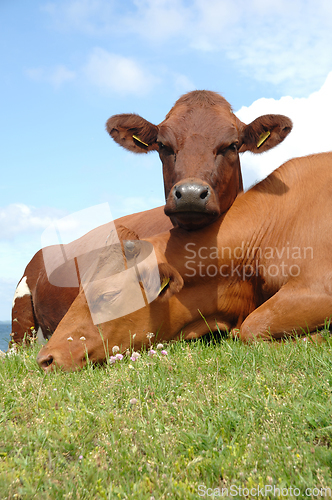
x=122 y=296
x=199 y=144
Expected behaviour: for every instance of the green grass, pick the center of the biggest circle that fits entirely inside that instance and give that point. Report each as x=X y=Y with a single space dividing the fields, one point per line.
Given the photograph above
x=214 y=415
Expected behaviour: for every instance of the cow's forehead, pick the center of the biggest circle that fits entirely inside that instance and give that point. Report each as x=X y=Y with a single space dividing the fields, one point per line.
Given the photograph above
x=212 y=118
x=215 y=124
x=201 y=98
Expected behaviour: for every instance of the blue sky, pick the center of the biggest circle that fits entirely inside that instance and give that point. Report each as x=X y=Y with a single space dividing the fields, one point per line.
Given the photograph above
x=67 y=66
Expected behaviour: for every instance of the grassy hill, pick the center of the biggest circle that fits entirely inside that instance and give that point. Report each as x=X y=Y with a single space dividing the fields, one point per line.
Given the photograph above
x=186 y=425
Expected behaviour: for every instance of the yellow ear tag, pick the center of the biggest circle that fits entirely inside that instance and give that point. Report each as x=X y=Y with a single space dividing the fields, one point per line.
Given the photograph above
x=164 y=284
x=262 y=138
x=140 y=140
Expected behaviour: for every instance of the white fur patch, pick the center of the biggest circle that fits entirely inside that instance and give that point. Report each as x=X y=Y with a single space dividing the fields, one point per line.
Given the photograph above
x=21 y=290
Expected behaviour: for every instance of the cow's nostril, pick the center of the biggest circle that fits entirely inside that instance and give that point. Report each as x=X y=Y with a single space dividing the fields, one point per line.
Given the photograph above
x=204 y=194
x=178 y=194
x=46 y=361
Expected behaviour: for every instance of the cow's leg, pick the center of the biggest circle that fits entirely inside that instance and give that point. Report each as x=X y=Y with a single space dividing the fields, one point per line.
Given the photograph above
x=23 y=319
x=288 y=312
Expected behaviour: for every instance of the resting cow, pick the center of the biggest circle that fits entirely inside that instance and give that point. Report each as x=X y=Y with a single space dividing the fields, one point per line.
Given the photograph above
x=40 y=305
x=261 y=272
x=199 y=144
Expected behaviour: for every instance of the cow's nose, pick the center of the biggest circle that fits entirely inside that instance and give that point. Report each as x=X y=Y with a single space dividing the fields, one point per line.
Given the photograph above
x=191 y=197
x=45 y=361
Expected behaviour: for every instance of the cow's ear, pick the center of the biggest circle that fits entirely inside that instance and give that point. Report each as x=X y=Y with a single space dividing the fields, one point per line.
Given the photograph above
x=265 y=133
x=125 y=233
x=133 y=132
x=171 y=281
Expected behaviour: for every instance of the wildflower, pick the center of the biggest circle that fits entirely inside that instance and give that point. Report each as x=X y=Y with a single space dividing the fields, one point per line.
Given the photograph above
x=115 y=349
x=163 y=352
x=12 y=351
x=151 y=353
x=112 y=360
x=305 y=338
x=134 y=356
x=133 y=401
x=160 y=346
x=150 y=335
x=80 y=457
x=119 y=356
x=70 y=339
x=82 y=338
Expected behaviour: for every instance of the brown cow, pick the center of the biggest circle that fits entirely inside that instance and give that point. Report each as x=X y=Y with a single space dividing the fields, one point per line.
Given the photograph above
x=199 y=144
x=261 y=272
x=204 y=137
x=38 y=304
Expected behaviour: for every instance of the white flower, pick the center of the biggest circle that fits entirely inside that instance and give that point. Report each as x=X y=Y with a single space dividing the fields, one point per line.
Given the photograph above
x=115 y=349
x=150 y=335
x=70 y=339
x=82 y=338
x=160 y=346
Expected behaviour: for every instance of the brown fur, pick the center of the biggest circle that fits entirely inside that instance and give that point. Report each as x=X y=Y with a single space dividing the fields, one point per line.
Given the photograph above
x=193 y=144
x=48 y=303
x=197 y=133
x=284 y=226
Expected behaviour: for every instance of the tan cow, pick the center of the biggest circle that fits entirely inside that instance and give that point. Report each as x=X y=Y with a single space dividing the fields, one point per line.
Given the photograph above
x=199 y=144
x=40 y=303
x=262 y=272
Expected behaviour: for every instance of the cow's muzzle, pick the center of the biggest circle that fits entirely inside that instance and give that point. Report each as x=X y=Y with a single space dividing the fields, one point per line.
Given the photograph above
x=46 y=362
x=191 y=204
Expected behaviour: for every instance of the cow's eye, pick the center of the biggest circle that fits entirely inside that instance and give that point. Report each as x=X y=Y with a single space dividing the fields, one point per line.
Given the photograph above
x=233 y=147
x=165 y=148
x=109 y=297
x=226 y=149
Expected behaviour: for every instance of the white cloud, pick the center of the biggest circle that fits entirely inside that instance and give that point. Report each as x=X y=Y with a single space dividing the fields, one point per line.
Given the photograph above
x=285 y=44
x=282 y=43
x=57 y=75
x=17 y=218
x=113 y=72
x=109 y=72
x=20 y=230
x=160 y=20
x=311 y=130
